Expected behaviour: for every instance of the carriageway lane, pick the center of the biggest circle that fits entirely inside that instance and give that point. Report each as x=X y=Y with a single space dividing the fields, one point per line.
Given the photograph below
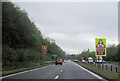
x=68 y=70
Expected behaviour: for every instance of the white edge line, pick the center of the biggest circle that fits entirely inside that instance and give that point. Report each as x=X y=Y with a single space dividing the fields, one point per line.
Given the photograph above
x=22 y=72
x=99 y=77
x=56 y=77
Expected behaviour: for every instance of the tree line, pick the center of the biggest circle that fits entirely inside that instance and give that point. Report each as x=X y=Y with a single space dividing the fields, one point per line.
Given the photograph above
x=112 y=54
x=21 y=39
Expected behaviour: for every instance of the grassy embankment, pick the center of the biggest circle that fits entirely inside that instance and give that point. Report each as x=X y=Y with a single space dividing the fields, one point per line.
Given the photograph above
x=112 y=75
x=21 y=67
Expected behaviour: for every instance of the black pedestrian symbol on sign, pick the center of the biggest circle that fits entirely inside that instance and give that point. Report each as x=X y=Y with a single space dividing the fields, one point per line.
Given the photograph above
x=100 y=44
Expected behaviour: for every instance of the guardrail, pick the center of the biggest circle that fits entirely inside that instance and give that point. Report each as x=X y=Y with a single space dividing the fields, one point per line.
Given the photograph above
x=47 y=62
x=106 y=67
x=102 y=66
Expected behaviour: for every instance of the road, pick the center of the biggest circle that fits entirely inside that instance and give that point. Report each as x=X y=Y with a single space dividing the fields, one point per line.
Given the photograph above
x=69 y=70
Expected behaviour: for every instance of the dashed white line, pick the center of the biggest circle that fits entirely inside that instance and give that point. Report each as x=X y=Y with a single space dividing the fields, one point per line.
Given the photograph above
x=58 y=74
x=56 y=77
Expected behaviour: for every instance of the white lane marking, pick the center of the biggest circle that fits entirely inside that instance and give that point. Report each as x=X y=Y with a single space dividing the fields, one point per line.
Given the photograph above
x=56 y=77
x=58 y=74
x=23 y=72
x=99 y=77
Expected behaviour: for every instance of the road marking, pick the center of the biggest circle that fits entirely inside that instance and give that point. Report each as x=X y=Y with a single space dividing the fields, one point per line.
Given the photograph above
x=99 y=77
x=58 y=74
x=23 y=72
x=56 y=77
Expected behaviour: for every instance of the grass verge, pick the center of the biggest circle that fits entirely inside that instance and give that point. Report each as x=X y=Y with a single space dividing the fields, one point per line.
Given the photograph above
x=16 y=69
x=108 y=74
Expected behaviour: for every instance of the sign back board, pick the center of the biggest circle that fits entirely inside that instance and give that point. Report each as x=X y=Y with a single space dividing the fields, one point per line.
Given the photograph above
x=44 y=49
x=100 y=47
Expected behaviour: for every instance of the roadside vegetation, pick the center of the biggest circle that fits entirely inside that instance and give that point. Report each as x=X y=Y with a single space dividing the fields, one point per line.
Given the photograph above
x=22 y=67
x=22 y=41
x=111 y=75
x=112 y=56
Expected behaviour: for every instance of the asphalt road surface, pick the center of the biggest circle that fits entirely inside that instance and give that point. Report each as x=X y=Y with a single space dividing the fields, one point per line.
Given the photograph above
x=68 y=70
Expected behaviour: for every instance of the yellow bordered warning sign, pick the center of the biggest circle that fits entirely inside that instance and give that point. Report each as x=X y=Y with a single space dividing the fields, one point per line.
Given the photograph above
x=100 y=47
x=44 y=49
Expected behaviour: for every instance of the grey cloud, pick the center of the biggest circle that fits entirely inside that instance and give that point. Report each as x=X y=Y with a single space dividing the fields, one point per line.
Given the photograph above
x=78 y=23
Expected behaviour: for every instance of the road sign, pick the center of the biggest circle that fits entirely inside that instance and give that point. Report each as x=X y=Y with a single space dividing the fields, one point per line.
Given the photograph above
x=44 y=49
x=54 y=57
x=26 y=47
x=100 y=45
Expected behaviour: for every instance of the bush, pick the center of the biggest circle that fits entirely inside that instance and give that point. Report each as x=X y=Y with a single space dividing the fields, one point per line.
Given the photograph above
x=9 y=55
x=13 y=56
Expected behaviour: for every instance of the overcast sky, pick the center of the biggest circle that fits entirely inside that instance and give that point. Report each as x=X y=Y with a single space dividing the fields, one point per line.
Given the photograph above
x=74 y=26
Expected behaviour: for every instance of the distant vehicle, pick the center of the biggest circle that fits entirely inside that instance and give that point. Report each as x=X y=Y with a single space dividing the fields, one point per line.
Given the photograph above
x=99 y=60
x=83 y=61
x=58 y=61
x=82 y=58
x=90 y=60
x=76 y=60
x=65 y=61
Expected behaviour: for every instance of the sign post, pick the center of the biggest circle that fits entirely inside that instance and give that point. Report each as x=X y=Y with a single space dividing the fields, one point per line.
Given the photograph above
x=27 y=52
x=100 y=48
x=54 y=57
x=44 y=50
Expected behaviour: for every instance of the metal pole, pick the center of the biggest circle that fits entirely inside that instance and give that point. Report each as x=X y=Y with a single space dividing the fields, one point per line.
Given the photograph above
x=102 y=62
x=111 y=67
x=116 y=69
x=106 y=67
x=44 y=58
x=98 y=62
x=27 y=54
